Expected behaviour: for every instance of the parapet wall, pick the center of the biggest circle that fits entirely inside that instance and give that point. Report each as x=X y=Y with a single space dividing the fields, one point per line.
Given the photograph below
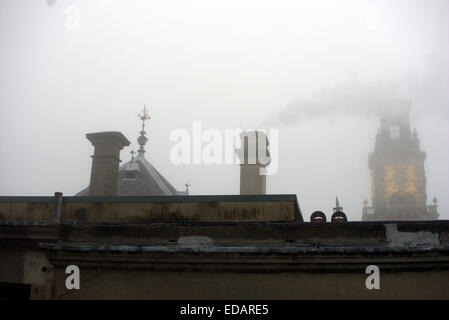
x=251 y=208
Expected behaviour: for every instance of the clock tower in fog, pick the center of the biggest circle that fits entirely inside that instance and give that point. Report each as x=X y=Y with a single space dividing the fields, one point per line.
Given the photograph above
x=398 y=180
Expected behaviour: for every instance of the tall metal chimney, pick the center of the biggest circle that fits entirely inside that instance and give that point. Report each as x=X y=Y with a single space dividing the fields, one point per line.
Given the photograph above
x=254 y=156
x=105 y=162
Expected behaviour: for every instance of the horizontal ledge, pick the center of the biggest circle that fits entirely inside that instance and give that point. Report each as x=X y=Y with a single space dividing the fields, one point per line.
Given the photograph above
x=262 y=249
x=26 y=199
x=186 y=198
x=180 y=198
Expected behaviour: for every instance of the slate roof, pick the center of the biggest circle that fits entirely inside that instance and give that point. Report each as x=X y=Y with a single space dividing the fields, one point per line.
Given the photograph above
x=148 y=181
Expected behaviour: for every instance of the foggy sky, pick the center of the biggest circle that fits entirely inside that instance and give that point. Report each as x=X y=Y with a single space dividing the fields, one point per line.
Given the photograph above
x=278 y=64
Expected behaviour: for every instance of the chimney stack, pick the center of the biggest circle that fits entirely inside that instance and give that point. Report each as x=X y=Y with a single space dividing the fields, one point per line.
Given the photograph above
x=105 y=162
x=254 y=156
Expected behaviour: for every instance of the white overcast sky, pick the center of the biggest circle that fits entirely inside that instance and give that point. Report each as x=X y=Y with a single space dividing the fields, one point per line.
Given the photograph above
x=224 y=63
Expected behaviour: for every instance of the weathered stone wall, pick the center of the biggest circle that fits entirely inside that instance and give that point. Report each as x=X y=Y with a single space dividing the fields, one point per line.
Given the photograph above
x=39 y=210
x=101 y=284
x=152 y=209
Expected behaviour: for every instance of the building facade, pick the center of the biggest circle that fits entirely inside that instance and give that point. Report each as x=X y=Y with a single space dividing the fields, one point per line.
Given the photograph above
x=211 y=247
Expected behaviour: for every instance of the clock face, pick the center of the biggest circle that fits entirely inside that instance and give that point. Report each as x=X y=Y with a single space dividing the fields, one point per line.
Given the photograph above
x=400 y=179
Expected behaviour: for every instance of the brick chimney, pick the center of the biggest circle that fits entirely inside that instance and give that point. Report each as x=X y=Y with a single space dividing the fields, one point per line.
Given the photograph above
x=105 y=162
x=253 y=161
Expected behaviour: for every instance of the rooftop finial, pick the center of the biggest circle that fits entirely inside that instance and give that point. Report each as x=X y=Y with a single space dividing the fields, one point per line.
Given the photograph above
x=187 y=187
x=142 y=140
x=337 y=205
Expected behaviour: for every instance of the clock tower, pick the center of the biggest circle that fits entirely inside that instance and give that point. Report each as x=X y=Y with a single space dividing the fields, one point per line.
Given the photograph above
x=398 y=181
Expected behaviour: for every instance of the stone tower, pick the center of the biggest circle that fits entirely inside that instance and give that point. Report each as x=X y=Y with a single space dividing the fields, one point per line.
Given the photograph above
x=398 y=180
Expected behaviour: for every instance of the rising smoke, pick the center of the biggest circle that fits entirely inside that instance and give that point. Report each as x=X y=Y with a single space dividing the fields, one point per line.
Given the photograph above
x=352 y=98
x=426 y=88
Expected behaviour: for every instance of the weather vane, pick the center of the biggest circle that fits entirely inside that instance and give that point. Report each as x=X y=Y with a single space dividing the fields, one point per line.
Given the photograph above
x=142 y=140
x=144 y=115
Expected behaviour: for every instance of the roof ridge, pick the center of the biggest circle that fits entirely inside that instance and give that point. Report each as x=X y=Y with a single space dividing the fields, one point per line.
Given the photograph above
x=155 y=175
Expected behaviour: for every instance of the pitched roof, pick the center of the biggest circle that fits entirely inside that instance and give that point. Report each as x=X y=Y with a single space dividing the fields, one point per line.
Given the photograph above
x=138 y=177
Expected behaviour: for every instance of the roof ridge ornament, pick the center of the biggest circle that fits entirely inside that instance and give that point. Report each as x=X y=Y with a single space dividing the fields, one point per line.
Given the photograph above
x=142 y=140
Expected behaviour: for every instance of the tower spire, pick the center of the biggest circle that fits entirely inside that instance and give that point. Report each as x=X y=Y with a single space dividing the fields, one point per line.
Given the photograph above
x=142 y=140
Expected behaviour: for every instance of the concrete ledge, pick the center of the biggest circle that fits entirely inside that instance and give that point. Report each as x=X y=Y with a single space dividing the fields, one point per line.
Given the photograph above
x=256 y=258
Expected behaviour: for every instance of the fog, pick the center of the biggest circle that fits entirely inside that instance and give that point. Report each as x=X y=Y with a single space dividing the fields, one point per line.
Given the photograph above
x=319 y=71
